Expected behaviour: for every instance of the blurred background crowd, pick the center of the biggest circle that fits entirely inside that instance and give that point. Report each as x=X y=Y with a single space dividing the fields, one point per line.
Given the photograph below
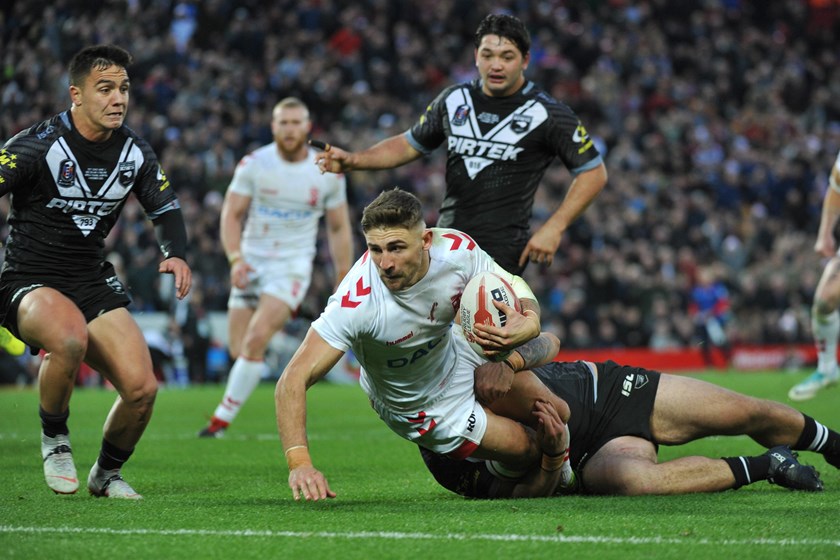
x=719 y=121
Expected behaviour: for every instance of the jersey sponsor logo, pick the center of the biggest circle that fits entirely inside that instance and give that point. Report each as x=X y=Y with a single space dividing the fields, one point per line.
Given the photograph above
x=489 y=118
x=359 y=291
x=480 y=150
x=313 y=196
x=415 y=355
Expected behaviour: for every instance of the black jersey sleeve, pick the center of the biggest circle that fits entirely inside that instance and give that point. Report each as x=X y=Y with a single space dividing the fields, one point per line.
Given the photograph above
x=568 y=138
x=19 y=160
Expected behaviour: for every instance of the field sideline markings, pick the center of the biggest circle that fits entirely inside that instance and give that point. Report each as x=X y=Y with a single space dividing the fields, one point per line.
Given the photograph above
x=581 y=539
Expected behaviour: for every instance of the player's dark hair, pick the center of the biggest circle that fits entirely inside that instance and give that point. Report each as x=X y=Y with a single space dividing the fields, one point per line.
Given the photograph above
x=508 y=27
x=393 y=208
x=97 y=57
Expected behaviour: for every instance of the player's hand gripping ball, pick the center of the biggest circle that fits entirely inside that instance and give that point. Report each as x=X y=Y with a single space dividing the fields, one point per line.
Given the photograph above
x=477 y=307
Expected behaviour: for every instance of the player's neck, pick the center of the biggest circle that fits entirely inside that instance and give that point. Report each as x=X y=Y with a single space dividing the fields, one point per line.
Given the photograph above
x=87 y=129
x=293 y=157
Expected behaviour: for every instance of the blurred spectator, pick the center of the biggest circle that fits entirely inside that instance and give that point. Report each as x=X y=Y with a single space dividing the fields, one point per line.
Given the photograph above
x=717 y=121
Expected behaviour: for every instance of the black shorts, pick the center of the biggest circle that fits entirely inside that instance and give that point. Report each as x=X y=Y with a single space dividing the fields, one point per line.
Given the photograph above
x=93 y=297
x=619 y=404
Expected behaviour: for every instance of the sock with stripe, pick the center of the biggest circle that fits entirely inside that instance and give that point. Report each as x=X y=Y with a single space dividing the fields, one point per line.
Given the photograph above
x=816 y=437
x=748 y=469
x=244 y=377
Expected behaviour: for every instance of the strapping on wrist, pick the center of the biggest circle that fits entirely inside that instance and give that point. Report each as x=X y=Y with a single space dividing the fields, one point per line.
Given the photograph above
x=234 y=257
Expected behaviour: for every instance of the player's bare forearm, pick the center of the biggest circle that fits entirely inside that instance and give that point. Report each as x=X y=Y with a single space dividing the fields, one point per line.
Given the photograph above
x=583 y=190
x=391 y=152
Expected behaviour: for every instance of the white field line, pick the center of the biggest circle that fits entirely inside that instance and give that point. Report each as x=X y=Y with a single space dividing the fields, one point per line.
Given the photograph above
x=388 y=535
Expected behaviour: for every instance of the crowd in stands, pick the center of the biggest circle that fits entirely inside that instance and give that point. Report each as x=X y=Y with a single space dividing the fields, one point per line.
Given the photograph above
x=718 y=120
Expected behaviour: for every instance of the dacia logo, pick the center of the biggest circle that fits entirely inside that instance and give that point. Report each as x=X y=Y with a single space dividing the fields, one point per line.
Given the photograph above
x=416 y=355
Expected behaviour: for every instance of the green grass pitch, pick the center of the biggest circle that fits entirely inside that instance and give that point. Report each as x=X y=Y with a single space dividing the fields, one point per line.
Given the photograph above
x=229 y=498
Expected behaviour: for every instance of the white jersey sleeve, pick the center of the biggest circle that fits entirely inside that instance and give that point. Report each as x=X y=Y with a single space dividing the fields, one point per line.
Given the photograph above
x=288 y=200
x=403 y=339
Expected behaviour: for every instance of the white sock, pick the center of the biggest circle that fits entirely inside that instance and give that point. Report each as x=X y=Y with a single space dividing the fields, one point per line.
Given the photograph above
x=826 y=329
x=244 y=377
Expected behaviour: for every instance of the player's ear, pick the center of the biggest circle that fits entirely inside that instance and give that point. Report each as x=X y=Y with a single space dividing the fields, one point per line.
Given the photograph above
x=427 y=239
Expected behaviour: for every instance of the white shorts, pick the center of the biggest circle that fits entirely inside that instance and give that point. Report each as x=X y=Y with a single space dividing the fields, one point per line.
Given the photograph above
x=454 y=422
x=287 y=280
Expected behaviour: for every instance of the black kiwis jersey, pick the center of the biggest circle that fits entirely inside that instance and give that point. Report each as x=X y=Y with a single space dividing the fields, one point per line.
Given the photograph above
x=67 y=193
x=498 y=150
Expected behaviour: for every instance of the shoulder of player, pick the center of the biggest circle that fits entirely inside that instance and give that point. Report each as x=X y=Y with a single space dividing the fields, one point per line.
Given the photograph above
x=451 y=241
x=357 y=289
x=552 y=105
x=26 y=147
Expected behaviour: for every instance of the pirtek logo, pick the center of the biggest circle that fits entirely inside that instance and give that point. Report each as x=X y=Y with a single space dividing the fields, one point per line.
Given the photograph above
x=96 y=207
x=471 y=147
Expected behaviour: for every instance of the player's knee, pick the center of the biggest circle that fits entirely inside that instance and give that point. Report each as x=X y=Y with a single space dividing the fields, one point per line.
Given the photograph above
x=71 y=347
x=141 y=395
x=823 y=307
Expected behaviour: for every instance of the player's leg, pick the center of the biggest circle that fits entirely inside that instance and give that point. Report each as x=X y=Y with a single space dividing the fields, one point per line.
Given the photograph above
x=239 y=316
x=825 y=326
x=627 y=466
x=249 y=367
x=507 y=442
x=118 y=351
x=686 y=409
x=47 y=319
x=525 y=390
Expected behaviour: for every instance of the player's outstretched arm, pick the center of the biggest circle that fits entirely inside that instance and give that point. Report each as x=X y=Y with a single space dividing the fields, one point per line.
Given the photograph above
x=389 y=153
x=313 y=359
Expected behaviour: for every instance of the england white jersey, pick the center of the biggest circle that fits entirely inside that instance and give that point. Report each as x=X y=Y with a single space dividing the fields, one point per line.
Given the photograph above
x=287 y=201
x=404 y=339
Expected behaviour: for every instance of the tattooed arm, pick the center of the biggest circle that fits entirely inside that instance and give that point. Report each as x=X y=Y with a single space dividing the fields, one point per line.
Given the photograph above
x=494 y=379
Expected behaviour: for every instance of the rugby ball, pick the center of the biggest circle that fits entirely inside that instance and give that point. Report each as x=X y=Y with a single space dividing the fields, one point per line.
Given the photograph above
x=477 y=307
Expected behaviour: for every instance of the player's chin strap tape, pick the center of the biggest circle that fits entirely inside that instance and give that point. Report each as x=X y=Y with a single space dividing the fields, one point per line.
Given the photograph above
x=171 y=233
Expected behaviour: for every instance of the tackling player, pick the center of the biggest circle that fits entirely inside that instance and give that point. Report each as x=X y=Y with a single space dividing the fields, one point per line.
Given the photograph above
x=620 y=415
